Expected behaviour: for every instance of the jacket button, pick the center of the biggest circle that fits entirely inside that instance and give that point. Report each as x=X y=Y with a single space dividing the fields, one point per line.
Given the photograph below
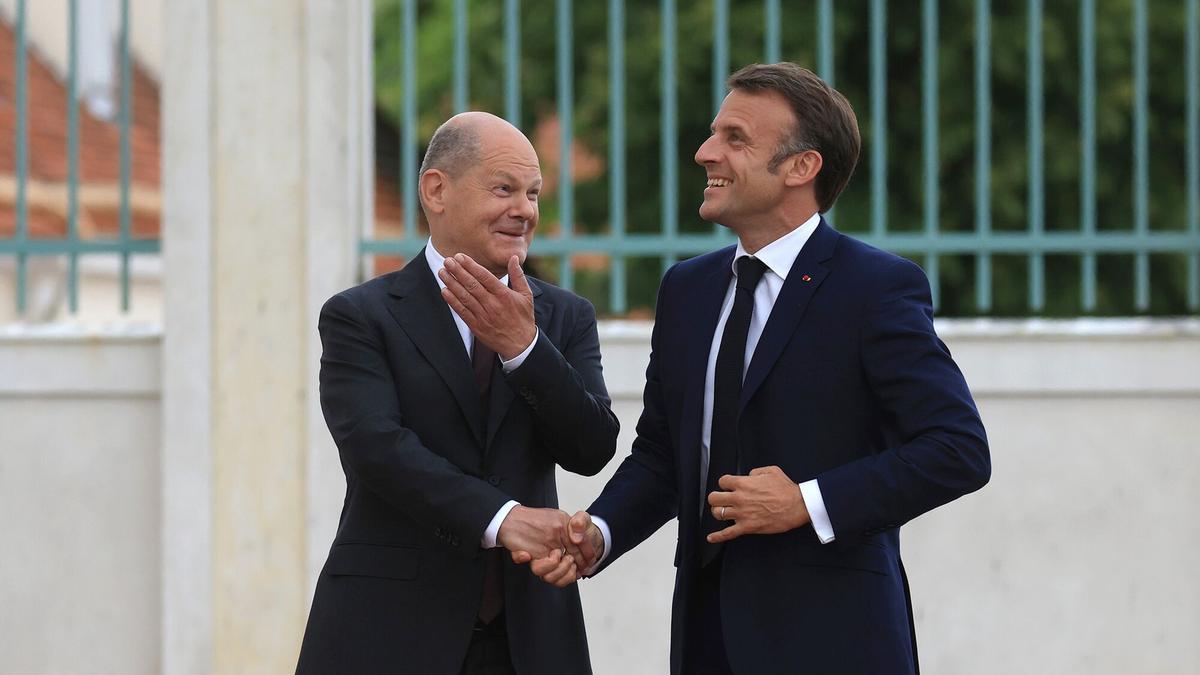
x=494 y=480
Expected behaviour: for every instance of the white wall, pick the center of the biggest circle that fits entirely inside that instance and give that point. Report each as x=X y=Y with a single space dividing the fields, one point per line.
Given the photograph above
x=79 y=501
x=1078 y=558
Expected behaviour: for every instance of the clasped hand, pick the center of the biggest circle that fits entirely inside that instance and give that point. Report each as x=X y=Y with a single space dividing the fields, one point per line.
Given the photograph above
x=559 y=548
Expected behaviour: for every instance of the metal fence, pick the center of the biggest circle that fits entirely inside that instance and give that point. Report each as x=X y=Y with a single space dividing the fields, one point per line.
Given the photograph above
x=929 y=244
x=21 y=246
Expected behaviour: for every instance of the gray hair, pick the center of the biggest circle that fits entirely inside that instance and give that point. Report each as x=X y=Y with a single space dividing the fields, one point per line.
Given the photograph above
x=454 y=147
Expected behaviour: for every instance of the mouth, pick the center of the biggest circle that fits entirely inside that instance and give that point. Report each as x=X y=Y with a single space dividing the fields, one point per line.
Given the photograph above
x=718 y=182
x=511 y=234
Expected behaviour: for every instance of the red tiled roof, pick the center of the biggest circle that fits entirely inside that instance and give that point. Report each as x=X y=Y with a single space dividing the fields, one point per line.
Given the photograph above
x=99 y=150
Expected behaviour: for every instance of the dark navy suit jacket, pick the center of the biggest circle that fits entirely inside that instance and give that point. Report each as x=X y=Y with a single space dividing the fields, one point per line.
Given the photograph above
x=849 y=385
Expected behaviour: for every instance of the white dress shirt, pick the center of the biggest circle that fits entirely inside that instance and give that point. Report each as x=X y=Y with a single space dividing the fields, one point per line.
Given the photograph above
x=778 y=256
x=436 y=261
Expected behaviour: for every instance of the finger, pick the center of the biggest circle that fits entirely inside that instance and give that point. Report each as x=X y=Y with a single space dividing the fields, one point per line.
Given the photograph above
x=486 y=280
x=543 y=566
x=719 y=498
x=732 y=532
x=764 y=469
x=571 y=576
x=465 y=284
x=453 y=284
x=728 y=482
x=579 y=522
x=563 y=575
x=459 y=308
x=516 y=277
x=521 y=557
x=722 y=513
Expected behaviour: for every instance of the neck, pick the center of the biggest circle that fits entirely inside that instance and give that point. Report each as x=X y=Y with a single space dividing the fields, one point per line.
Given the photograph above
x=754 y=237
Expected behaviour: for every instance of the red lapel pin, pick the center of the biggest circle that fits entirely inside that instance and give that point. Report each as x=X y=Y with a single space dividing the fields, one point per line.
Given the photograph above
x=806 y=278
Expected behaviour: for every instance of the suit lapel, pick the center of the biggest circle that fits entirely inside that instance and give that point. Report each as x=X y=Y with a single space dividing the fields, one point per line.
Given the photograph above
x=502 y=395
x=418 y=307
x=803 y=280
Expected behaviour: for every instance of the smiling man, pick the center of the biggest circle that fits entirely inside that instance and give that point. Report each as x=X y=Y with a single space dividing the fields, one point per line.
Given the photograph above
x=799 y=408
x=453 y=388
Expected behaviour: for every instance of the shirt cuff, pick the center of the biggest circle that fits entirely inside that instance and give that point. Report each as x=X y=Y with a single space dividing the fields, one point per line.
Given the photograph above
x=607 y=536
x=509 y=366
x=816 y=510
x=493 y=528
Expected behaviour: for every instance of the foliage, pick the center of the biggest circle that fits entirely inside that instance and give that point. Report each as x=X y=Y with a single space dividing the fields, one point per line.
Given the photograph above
x=956 y=210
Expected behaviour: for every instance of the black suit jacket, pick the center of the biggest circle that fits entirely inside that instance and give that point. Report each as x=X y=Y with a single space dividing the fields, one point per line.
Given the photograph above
x=848 y=384
x=426 y=473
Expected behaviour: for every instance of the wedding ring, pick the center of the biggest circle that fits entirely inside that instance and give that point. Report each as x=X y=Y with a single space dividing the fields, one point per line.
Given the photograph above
x=722 y=513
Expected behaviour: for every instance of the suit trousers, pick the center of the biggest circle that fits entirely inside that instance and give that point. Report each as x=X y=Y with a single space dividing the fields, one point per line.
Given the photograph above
x=705 y=647
x=488 y=652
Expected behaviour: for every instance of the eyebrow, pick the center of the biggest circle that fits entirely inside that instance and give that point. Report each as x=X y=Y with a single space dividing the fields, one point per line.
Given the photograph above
x=508 y=177
x=728 y=126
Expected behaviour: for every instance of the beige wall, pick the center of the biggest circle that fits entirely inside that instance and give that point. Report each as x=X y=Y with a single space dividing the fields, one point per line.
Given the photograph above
x=1078 y=558
x=80 y=558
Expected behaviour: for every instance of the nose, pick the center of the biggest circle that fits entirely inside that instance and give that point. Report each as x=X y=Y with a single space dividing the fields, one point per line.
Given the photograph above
x=522 y=208
x=707 y=153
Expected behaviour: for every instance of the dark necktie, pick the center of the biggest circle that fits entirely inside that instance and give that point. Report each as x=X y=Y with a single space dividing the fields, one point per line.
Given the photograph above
x=727 y=390
x=483 y=359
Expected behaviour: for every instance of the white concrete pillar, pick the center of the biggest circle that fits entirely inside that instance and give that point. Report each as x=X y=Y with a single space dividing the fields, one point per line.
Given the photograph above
x=263 y=174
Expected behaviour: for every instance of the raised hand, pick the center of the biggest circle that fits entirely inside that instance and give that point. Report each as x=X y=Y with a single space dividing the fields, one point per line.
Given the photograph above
x=500 y=316
x=765 y=502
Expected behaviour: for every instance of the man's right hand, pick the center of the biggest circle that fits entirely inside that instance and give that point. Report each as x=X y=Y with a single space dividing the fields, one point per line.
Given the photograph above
x=535 y=533
x=563 y=570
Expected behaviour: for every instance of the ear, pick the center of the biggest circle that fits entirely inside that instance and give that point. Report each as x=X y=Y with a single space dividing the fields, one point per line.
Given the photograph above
x=802 y=168
x=433 y=187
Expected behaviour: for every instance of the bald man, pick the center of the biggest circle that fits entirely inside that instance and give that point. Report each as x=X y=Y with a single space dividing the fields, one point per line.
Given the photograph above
x=452 y=389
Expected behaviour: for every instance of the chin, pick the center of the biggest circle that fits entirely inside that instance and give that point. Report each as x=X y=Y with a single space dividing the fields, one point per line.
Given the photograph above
x=498 y=261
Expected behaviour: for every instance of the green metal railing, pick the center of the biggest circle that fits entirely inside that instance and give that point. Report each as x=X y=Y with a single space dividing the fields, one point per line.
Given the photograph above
x=929 y=243
x=22 y=246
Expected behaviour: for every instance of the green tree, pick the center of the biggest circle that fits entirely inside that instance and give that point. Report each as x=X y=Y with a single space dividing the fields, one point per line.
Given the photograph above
x=905 y=209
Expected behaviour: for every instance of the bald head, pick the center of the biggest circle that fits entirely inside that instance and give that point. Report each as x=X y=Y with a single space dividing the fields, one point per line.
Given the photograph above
x=479 y=189
x=463 y=139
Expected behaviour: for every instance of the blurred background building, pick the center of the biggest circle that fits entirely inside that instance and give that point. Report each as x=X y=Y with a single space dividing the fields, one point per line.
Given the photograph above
x=183 y=184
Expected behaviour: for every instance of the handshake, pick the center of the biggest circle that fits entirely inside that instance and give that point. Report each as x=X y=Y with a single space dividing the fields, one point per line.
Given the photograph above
x=558 y=548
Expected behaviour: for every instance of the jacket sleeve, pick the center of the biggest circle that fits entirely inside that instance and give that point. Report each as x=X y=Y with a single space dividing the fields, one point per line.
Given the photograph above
x=643 y=494
x=358 y=399
x=941 y=452
x=565 y=392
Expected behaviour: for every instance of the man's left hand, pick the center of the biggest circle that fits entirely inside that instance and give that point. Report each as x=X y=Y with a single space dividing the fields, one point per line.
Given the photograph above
x=765 y=502
x=500 y=316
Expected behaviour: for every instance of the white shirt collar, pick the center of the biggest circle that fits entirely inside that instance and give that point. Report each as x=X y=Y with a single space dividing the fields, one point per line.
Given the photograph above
x=437 y=260
x=779 y=255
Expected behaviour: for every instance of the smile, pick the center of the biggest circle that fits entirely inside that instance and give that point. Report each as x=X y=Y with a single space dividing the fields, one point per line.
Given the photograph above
x=718 y=182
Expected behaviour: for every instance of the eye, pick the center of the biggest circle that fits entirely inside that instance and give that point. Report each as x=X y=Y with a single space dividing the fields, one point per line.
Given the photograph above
x=503 y=188
x=533 y=195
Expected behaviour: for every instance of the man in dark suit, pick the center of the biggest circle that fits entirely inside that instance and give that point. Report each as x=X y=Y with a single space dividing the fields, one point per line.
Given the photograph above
x=452 y=389
x=799 y=409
